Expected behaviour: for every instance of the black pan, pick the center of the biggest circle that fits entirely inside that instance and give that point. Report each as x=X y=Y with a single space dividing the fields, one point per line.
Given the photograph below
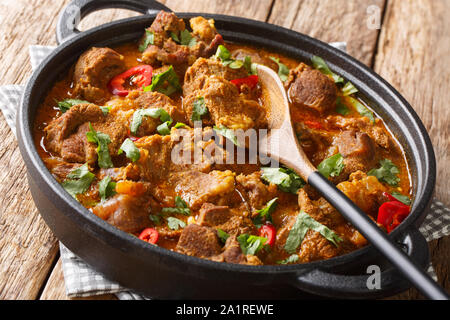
x=161 y=273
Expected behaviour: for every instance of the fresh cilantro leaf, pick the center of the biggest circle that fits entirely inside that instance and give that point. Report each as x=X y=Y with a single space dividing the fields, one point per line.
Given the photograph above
x=106 y=188
x=349 y=89
x=139 y=114
x=283 y=70
x=332 y=166
x=387 y=172
x=102 y=140
x=155 y=219
x=251 y=244
x=174 y=37
x=180 y=125
x=148 y=39
x=223 y=236
x=222 y=53
x=175 y=223
x=66 y=104
x=286 y=179
x=320 y=65
x=185 y=39
x=105 y=110
x=402 y=198
x=302 y=224
x=341 y=108
x=227 y=133
x=166 y=82
x=265 y=214
x=130 y=150
x=291 y=259
x=248 y=65
x=362 y=109
x=199 y=109
x=180 y=207
x=79 y=180
x=164 y=128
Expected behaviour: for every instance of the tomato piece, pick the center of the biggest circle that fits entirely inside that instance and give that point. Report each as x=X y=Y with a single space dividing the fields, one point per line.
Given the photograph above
x=269 y=232
x=140 y=76
x=149 y=235
x=391 y=214
x=250 y=81
x=314 y=124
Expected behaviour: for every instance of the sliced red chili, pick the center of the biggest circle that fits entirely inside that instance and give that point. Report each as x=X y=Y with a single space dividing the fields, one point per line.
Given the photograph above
x=250 y=81
x=149 y=235
x=140 y=76
x=313 y=124
x=269 y=232
x=391 y=214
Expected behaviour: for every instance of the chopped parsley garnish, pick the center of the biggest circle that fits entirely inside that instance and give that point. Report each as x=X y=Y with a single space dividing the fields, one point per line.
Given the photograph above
x=291 y=259
x=66 y=104
x=102 y=140
x=320 y=65
x=362 y=109
x=224 y=55
x=341 y=108
x=265 y=214
x=286 y=179
x=175 y=223
x=185 y=39
x=106 y=188
x=283 y=70
x=251 y=244
x=227 y=133
x=332 y=166
x=223 y=236
x=180 y=207
x=130 y=150
x=302 y=224
x=148 y=39
x=166 y=82
x=349 y=89
x=139 y=114
x=199 y=109
x=387 y=173
x=402 y=198
x=79 y=180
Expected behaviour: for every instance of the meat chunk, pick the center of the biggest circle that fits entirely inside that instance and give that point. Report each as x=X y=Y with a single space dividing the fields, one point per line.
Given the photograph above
x=129 y=214
x=311 y=89
x=93 y=71
x=225 y=106
x=258 y=193
x=167 y=47
x=233 y=221
x=212 y=215
x=199 y=241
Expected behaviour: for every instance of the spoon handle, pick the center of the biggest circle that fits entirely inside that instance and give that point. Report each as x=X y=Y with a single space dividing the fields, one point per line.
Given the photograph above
x=418 y=277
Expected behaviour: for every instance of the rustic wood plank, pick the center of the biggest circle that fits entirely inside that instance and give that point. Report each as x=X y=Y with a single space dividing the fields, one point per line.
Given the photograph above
x=334 y=20
x=413 y=55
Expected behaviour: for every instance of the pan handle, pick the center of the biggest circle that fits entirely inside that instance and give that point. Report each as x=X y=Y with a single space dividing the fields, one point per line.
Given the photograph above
x=72 y=14
x=323 y=282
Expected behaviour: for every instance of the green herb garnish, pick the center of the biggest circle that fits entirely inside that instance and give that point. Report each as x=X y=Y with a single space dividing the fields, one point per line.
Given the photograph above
x=166 y=82
x=130 y=150
x=223 y=236
x=199 y=109
x=302 y=224
x=320 y=65
x=387 y=173
x=224 y=55
x=291 y=259
x=265 y=214
x=66 y=104
x=349 y=89
x=79 y=181
x=155 y=219
x=286 y=179
x=139 y=114
x=185 y=39
x=180 y=207
x=332 y=166
x=102 y=140
x=283 y=70
x=175 y=223
x=251 y=244
x=341 y=108
x=227 y=133
x=402 y=198
x=106 y=188
x=180 y=125
x=362 y=109
x=148 y=39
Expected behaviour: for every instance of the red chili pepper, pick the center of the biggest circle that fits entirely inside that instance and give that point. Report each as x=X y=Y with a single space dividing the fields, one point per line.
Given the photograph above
x=250 y=81
x=149 y=235
x=389 y=196
x=133 y=138
x=269 y=232
x=140 y=76
x=391 y=214
x=314 y=124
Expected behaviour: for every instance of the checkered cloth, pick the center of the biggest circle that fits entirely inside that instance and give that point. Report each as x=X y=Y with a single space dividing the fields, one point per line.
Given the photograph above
x=82 y=281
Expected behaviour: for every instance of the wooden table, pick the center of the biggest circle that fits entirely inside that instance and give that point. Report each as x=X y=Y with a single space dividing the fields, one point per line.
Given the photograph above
x=406 y=42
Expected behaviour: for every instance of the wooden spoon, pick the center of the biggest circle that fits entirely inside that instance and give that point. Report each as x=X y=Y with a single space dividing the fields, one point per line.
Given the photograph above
x=281 y=144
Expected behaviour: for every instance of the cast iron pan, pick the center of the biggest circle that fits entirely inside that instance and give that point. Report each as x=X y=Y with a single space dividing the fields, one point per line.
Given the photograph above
x=161 y=273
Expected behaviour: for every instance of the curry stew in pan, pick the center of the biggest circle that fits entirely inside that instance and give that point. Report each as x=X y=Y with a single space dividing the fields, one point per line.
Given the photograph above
x=109 y=130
